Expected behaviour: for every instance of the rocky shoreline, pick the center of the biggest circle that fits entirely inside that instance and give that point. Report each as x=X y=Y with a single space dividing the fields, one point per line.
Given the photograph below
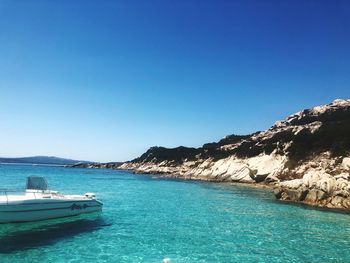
x=305 y=158
x=315 y=188
x=112 y=165
x=319 y=189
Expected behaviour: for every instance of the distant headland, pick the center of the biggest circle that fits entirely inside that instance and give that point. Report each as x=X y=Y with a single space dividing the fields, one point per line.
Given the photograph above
x=41 y=160
x=305 y=157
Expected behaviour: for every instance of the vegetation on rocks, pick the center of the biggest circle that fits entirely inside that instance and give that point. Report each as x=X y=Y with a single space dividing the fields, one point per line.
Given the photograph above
x=306 y=157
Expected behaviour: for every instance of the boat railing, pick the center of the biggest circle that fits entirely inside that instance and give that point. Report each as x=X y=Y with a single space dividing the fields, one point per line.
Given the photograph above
x=4 y=190
x=8 y=192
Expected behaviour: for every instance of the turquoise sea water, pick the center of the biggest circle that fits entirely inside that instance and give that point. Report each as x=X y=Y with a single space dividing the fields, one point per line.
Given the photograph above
x=148 y=220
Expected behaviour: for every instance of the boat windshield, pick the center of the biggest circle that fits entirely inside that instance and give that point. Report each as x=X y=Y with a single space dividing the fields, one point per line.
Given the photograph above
x=36 y=183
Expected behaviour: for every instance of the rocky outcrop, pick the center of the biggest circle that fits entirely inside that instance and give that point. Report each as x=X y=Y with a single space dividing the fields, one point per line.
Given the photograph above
x=306 y=157
x=111 y=165
x=325 y=185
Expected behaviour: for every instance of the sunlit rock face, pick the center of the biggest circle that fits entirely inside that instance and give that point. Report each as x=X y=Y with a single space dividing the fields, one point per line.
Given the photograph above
x=306 y=157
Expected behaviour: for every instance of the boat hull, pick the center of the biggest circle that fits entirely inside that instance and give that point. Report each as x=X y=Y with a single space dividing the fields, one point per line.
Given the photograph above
x=35 y=211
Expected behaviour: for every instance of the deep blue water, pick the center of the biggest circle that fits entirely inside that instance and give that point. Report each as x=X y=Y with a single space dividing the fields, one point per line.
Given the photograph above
x=147 y=220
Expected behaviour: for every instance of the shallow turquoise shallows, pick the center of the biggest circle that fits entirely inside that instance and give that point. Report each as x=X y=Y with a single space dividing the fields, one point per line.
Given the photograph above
x=155 y=220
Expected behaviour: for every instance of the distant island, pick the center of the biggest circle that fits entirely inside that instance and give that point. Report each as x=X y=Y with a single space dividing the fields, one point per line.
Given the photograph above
x=306 y=158
x=43 y=160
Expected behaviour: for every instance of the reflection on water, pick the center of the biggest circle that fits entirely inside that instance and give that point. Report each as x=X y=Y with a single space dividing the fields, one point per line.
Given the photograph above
x=17 y=237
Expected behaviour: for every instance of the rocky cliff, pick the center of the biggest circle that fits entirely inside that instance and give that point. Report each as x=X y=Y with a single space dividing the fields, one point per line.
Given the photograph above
x=306 y=157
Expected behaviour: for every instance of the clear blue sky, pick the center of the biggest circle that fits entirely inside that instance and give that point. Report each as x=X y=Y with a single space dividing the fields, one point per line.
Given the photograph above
x=105 y=80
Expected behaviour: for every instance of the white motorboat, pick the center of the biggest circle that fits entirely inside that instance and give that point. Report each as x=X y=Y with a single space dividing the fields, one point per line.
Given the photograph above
x=37 y=202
